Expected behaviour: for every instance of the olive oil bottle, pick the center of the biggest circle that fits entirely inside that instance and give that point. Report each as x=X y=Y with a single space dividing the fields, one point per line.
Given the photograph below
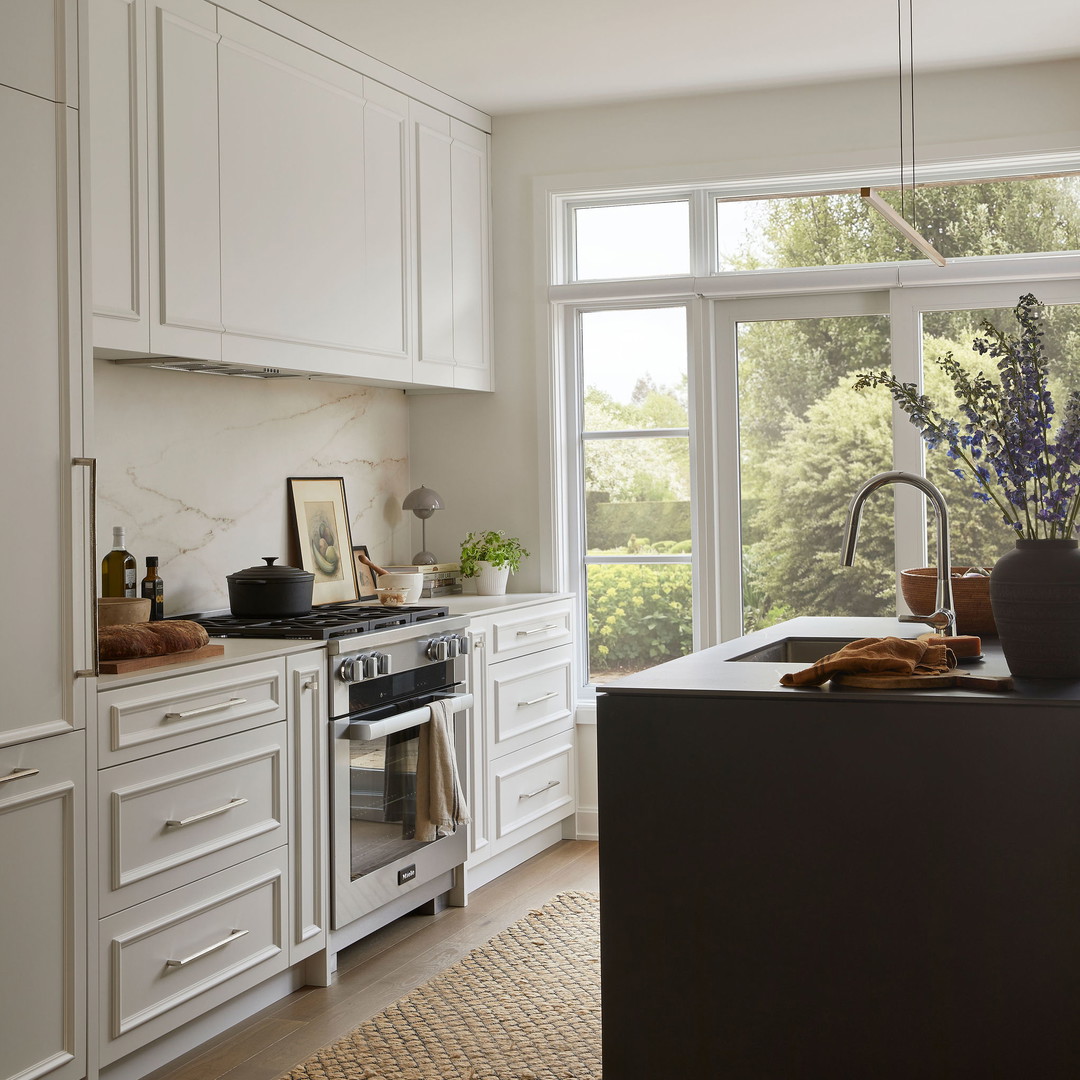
x=118 y=568
x=153 y=589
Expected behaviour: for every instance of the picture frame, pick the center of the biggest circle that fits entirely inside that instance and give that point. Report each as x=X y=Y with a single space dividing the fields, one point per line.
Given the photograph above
x=365 y=576
x=322 y=538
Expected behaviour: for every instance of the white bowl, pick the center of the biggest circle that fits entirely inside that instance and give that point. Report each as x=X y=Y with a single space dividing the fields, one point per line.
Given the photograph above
x=411 y=583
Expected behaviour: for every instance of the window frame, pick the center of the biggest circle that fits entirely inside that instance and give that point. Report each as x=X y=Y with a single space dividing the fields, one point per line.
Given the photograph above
x=713 y=299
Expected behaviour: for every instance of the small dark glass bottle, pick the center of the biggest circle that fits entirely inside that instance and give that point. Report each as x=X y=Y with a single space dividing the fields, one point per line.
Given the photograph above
x=154 y=589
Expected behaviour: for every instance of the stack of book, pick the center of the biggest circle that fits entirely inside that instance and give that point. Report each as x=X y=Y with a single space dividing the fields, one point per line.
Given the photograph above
x=440 y=579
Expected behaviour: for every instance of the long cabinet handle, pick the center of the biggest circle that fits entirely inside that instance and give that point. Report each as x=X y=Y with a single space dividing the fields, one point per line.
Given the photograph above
x=18 y=774
x=179 y=823
x=537 y=700
x=91 y=464
x=539 y=630
x=540 y=790
x=234 y=936
x=206 y=709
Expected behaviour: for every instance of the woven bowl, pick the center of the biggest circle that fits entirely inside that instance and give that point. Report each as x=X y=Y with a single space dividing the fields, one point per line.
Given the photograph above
x=119 y=610
x=971 y=596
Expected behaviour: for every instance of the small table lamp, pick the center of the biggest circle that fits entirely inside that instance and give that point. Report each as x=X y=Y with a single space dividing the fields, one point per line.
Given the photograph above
x=423 y=502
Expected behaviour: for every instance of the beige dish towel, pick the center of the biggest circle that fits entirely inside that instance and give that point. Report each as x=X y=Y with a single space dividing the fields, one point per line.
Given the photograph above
x=440 y=803
x=900 y=656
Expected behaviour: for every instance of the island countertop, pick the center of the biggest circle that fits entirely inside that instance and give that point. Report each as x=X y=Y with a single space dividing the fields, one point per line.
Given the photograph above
x=716 y=672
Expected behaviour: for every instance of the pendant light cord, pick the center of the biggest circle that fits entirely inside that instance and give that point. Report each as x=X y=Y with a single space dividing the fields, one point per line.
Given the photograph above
x=907 y=124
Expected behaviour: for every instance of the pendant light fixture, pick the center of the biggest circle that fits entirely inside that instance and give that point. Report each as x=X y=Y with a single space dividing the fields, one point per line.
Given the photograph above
x=899 y=221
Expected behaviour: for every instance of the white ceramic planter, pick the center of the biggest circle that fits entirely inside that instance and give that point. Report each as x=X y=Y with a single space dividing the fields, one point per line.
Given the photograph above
x=491 y=581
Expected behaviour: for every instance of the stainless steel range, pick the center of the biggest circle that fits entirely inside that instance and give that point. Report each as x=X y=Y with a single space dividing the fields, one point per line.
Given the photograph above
x=386 y=665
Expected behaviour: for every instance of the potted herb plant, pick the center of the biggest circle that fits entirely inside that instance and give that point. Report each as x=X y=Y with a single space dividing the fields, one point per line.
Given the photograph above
x=491 y=557
x=1005 y=443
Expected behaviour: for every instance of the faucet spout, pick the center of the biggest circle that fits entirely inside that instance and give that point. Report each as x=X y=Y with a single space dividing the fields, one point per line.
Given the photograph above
x=943 y=619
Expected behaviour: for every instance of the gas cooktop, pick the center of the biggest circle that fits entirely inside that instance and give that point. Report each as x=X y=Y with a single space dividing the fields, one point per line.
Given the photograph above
x=319 y=624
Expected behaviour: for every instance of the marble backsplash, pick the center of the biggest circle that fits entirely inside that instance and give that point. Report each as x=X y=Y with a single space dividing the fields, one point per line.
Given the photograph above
x=194 y=468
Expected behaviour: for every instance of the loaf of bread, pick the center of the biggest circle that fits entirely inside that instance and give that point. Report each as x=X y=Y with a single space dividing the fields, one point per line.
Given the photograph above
x=150 y=639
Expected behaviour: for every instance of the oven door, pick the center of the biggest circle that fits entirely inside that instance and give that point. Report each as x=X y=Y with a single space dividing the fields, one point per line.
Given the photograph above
x=376 y=854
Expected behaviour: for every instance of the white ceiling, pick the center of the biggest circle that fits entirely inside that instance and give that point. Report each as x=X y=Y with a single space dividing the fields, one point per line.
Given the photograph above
x=504 y=56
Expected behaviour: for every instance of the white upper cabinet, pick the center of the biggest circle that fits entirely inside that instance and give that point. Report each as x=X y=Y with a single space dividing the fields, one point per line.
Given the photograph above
x=313 y=200
x=452 y=251
x=261 y=203
x=38 y=48
x=154 y=178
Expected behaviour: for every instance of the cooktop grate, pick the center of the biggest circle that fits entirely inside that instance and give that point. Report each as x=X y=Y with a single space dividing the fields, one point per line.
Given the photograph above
x=319 y=624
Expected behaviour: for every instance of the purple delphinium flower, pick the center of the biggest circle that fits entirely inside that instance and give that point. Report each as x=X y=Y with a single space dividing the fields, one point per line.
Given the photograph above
x=1005 y=442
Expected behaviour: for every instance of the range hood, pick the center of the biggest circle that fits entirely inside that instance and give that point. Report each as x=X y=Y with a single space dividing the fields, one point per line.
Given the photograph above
x=209 y=367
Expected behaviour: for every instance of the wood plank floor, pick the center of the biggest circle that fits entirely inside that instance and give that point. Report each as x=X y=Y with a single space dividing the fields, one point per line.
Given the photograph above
x=382 y=968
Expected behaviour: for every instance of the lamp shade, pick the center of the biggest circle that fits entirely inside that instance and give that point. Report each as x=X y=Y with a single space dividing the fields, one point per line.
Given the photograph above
x=422 y=501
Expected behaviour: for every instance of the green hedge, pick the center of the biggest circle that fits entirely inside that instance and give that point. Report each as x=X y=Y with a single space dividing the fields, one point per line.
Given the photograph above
x=612 y=524
x=638 y=615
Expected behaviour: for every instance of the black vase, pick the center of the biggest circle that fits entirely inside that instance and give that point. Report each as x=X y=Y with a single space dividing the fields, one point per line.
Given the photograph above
x=1035 y=596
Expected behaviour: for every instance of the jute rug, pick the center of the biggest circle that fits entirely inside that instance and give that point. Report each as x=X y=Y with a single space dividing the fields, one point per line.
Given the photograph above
x=525 y=1006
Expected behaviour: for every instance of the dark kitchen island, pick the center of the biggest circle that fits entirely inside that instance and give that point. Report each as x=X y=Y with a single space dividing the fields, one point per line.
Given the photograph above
x=841 y=884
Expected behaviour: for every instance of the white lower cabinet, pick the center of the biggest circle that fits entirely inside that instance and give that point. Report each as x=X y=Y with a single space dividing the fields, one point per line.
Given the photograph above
x=211 y=825
x=166 y=961
x=42 y=931
x=522 y=761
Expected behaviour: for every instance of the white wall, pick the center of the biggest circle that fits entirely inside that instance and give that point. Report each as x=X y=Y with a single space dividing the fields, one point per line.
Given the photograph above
x=194 y=468
x=487 y=455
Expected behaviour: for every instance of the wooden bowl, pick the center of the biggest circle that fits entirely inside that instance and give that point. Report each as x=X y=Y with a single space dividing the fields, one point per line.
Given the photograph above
x=118 y=610
x=971 y=596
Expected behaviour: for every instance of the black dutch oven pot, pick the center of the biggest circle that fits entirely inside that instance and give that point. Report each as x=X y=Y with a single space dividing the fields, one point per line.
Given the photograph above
x=270 y=591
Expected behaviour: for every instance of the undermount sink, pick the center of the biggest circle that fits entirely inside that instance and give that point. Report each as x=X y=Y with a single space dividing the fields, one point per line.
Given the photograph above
x=792 y=650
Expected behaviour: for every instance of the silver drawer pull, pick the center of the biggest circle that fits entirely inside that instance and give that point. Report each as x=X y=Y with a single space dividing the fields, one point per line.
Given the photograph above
x=311 y=684
x=539 y=630
x=540 y=790
x=206 y=709
x=537 y=700
x=18 y=774
x=234 y=936
x=179 y=823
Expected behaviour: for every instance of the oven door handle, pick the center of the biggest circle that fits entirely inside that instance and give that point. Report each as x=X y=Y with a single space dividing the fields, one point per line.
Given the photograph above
x=376 y=729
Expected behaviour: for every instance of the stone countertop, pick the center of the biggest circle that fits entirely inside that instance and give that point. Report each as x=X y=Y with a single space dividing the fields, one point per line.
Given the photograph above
x=710 y=672
x=472 y=604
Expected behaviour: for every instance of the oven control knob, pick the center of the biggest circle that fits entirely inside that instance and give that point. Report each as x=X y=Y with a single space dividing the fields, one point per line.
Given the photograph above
x=384 y=662
x=452 y=643
x=463 y=643
x=352 y=670
x=438 y=649
x=371 y=666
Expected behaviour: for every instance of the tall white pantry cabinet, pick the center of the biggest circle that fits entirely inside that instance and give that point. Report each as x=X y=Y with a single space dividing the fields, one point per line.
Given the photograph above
x=44 y=546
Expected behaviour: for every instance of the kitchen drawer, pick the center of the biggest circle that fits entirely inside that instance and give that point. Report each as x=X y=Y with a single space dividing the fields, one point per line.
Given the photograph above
x=530 y=699
x=176 y=817
x=528 y=630
x=534 y=788
x=169 y=713
x=172 y=958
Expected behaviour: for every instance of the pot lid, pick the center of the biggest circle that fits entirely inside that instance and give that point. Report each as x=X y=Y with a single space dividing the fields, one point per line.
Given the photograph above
x=273 y=573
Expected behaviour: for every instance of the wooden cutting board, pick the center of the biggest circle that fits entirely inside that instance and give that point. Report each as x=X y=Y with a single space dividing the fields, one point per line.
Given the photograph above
x=140 y=663
x=957 y=679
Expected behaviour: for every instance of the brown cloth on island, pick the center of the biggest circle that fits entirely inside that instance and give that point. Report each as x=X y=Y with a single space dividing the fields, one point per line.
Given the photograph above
x=901 y=656
x=132 y=640
x=440 y=803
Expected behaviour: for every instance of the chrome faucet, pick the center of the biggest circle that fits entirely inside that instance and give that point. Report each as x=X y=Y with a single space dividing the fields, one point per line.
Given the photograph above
x=943 y=619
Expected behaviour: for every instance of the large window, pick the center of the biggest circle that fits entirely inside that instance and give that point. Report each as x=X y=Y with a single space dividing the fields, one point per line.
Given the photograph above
x=712 y=467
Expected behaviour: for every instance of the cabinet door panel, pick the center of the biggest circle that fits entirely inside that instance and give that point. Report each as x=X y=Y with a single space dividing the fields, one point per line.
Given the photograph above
x=118 y=215
x=36 y=540
x=386 y=293
x=468 y=185
x=42 y=940
x=182 y=111
x=292 y=173
x=435 y=252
